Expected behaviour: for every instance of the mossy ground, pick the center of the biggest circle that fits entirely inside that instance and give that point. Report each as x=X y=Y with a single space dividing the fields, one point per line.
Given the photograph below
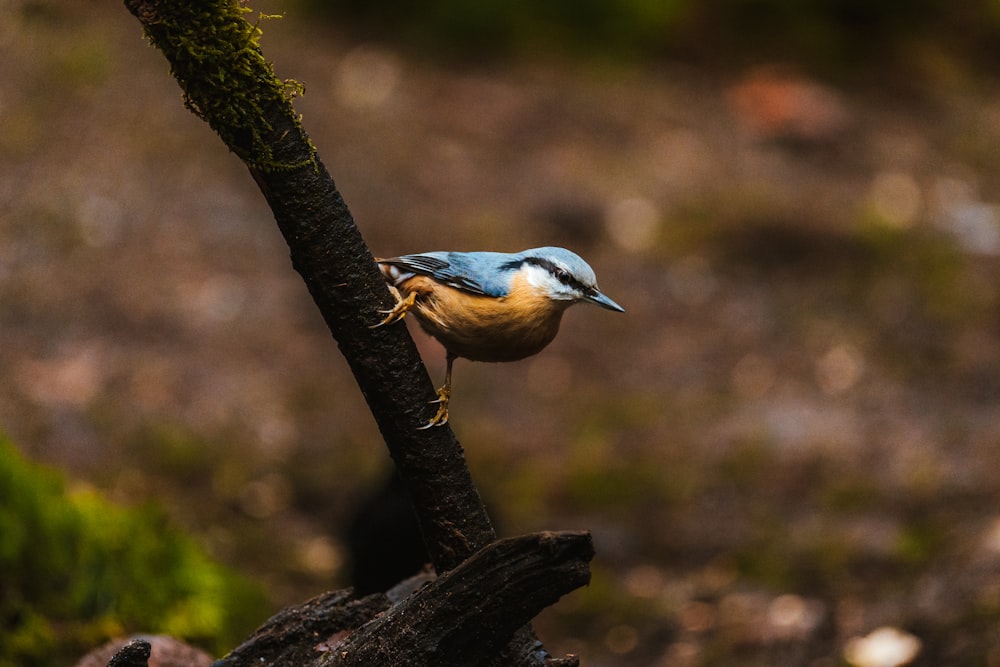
x=77 y=570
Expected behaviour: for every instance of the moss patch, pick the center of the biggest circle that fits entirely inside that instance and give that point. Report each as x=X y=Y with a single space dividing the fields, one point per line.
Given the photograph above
x=215 y=55
x=76 y=571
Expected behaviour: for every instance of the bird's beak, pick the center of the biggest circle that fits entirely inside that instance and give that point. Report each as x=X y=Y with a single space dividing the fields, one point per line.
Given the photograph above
x=599 y=299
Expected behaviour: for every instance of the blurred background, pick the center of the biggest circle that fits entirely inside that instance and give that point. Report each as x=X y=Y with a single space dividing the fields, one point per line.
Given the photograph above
x=788 y=448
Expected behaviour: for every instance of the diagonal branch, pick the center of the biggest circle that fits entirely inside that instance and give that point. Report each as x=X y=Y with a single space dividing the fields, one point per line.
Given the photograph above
x=214 y=55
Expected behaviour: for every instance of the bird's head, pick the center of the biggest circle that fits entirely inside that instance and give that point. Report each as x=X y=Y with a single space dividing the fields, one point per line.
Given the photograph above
x=562 y=275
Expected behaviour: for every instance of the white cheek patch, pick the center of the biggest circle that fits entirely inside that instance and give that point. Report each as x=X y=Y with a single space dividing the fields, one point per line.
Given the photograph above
x=537 y=277
x=545 y=283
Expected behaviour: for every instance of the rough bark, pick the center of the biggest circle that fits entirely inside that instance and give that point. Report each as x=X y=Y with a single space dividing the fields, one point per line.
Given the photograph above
x=134 y=654
x=215 y=57
x=298 y=635
x=463 y=618
x=226 y=81
x=467 y=616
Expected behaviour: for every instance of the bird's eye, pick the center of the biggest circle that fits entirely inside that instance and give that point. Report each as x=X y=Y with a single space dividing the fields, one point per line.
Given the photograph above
x=563 y=276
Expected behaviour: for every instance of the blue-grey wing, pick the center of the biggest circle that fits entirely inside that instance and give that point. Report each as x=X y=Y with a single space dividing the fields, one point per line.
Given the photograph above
x=469 y=272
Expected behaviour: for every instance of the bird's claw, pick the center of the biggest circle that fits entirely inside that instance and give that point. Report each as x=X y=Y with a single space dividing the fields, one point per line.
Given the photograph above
x=440 y=418
x=399 y=310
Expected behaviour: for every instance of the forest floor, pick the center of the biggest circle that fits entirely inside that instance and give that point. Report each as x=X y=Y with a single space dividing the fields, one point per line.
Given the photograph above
x=790 y=440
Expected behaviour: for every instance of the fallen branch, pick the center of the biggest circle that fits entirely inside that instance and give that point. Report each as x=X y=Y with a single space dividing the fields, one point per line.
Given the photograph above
x=467 y=616
x=463 y=618
x=294 y=636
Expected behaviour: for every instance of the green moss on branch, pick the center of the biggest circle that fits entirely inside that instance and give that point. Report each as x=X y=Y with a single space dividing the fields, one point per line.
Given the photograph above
x=215 y=55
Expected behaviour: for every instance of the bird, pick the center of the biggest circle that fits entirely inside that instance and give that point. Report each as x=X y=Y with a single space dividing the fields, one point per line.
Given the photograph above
x=488 y=306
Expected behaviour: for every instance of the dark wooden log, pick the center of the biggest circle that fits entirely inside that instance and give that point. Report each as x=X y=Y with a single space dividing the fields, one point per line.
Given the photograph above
x=467 y=616
x=463 y=618
x=299 y=635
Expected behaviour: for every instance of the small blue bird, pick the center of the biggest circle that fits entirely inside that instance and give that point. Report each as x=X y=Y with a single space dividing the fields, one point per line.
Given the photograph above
x=489 y=306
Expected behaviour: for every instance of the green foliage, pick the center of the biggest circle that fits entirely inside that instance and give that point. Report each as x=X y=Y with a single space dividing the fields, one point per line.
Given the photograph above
x=827 y=33
x=76 y=570
x=504 y=27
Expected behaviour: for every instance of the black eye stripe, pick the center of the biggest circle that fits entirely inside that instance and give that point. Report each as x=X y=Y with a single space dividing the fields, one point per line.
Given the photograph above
x=560 y=273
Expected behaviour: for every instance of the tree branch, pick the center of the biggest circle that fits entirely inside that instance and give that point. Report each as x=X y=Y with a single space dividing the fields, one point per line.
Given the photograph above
x=294 y=635
x=463 y=618
x=460 y=619
x=214 y=55
x=467 y=616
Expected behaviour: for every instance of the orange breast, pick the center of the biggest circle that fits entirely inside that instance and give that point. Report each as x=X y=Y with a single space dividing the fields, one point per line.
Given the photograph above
x=484 y=328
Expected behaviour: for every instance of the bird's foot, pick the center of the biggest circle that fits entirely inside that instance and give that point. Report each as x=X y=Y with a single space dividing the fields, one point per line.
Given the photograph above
x=399 y=310
x=441 y=417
